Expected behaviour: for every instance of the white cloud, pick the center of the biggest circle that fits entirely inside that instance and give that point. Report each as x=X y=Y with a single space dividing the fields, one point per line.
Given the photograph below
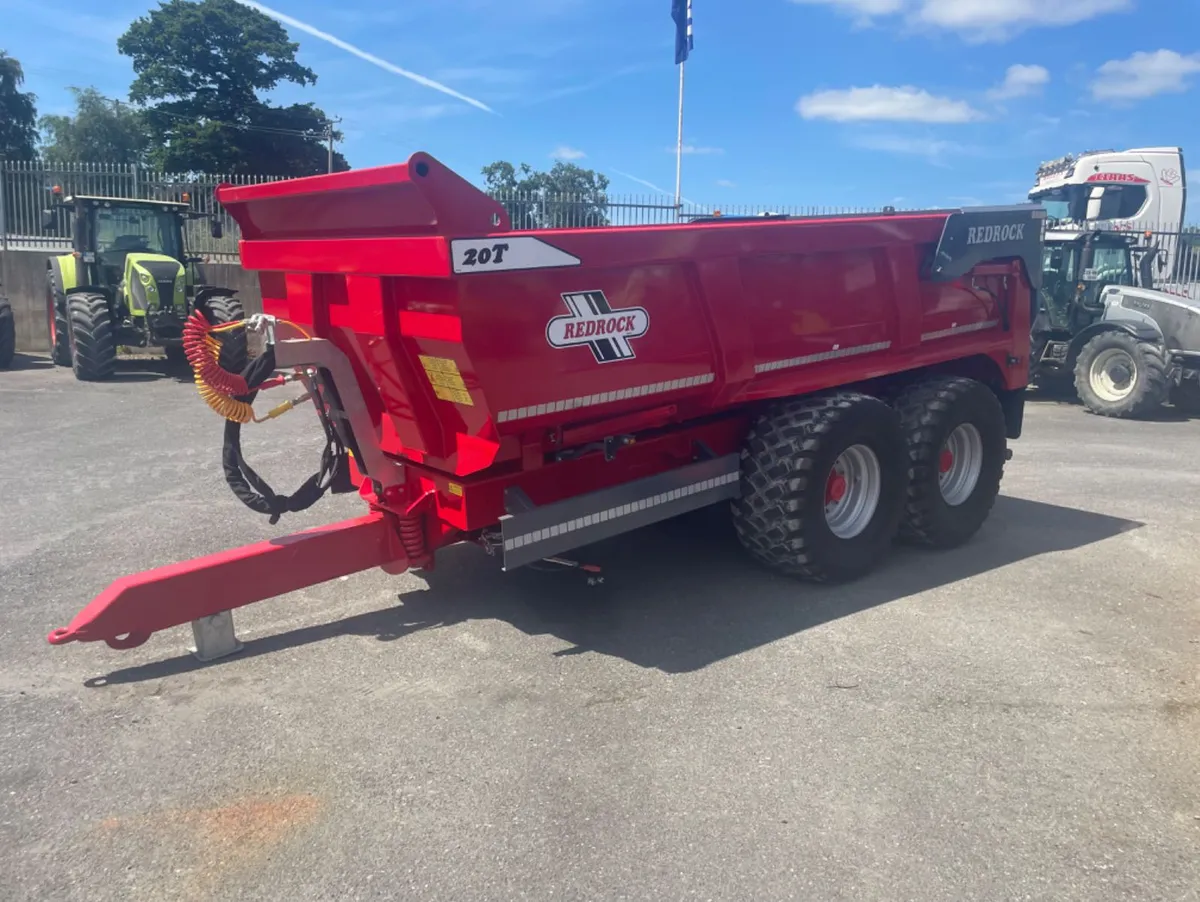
x=1144 y=75
x=1001 y=18
x=884 y=104
x=725 y=183
x=562 y=152
x=1019 y=81
x=860 y=8
x=980 y=19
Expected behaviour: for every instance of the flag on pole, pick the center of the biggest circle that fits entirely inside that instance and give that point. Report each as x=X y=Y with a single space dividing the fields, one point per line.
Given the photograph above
x=681 y=12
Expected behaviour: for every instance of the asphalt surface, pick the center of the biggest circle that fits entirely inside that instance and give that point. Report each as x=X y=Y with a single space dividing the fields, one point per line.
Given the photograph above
x=1018 y=719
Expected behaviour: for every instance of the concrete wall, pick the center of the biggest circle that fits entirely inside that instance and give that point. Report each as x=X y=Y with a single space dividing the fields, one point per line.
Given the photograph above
x=23 y=280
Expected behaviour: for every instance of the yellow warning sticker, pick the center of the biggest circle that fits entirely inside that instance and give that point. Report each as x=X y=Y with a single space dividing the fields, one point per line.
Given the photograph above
x=446 y=380
x=455 y=489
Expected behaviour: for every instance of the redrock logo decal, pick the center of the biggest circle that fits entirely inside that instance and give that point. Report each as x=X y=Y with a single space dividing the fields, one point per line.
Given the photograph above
x=1118 y=177
x=992 y=234
x=592 y=322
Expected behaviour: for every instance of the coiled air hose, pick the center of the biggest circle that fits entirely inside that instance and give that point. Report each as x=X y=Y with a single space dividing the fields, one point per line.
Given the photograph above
x=229 y=381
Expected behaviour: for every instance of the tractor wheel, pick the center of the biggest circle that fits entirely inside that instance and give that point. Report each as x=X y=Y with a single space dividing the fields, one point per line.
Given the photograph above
x=956 y=451
x=227 y=309
x=822 y=486
x=1118 y=376
x=8 y=334
x=56 y=322
x=90 y=330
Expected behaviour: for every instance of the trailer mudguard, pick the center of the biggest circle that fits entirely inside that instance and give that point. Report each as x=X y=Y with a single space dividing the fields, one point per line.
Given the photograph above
x=986 y=234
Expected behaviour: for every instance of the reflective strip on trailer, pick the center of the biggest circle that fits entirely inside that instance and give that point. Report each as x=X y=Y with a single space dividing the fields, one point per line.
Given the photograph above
x=833 y=354
x=621 y=394
x=534 y=534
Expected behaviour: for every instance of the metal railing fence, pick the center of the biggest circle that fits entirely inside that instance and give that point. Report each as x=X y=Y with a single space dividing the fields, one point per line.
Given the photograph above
x=25 y=190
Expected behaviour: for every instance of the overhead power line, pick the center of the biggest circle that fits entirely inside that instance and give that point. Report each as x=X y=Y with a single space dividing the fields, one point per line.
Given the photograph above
x=321 y=132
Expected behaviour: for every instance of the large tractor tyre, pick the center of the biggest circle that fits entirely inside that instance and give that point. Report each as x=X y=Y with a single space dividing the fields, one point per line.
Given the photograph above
x=1116 y=375
x=90 y=329
x=8 y=334
x=823 y=483
x=957 y=446
x=56 y=322
x=220 y=309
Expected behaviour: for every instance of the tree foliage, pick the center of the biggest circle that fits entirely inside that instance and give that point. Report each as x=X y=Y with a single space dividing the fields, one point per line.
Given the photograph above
x=200 y=67
x=18 y=113
x=568 y=196
x=102 y=130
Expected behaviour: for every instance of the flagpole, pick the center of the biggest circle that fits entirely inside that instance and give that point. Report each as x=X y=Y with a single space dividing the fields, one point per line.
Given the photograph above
x=679 y=147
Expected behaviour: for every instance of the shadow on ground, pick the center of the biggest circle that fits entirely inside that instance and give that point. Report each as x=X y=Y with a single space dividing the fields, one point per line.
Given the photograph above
x=1064 y=395
x=128 y=369
x=24 y=361
x=680 y=595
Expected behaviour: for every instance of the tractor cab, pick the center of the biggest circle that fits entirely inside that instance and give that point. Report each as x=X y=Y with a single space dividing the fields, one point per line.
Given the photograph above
x=1077 y=267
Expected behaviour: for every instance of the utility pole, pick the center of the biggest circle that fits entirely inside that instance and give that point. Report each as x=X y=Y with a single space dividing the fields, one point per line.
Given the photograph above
x=329 y=123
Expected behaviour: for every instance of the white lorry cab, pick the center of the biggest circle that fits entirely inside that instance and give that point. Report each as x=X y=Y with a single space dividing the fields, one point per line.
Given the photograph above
x=1142 y=191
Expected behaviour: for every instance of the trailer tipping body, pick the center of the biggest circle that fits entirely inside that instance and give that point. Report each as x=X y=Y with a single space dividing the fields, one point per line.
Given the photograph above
x=538 y=391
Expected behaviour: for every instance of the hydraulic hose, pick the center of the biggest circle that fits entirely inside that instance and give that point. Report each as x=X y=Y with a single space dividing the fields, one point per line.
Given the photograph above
x=232 y=396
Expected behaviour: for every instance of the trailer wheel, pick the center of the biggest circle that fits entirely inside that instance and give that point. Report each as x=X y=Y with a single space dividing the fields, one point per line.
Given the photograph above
x=957 y=446
x=8 y=334
x=90 y=331
x=1118 y=376
x=822 y=486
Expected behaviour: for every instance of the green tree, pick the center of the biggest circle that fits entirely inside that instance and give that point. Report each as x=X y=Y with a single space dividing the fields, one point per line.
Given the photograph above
x=18 y=114
x=102 y=130
x=568 y=196
x=200 y=67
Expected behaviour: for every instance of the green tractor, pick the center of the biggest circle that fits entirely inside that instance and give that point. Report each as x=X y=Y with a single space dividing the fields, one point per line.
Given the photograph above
x=127 y=282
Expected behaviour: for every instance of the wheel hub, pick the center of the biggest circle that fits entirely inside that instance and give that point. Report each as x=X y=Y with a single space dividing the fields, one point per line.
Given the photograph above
x=1113 y=375
x=852 y=491
x=835 y=487
x=960 y=463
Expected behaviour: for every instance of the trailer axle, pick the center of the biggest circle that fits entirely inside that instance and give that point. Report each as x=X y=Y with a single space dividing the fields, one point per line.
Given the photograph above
x=203 y=590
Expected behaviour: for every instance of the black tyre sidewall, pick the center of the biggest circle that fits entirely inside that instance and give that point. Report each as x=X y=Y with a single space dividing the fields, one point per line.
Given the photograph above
x=8 y=335
x=947 y=524
x=57 y=325
x=875 y=425
x=224 y=308
x=1132 y=403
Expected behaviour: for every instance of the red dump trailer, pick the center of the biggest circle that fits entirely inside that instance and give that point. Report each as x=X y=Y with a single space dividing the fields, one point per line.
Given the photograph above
x=835 y=381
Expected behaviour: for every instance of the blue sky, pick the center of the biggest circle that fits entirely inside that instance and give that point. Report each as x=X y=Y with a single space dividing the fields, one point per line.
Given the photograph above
x=824 y=102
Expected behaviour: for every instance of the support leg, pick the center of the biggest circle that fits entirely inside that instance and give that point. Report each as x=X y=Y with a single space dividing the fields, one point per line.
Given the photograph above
x=214 y=637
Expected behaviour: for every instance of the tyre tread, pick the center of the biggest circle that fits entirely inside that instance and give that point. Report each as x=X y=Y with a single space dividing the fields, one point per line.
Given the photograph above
x=95 y=356
x=777 y=462
x=8 y=334
x=1153 y=361
x=922 y=408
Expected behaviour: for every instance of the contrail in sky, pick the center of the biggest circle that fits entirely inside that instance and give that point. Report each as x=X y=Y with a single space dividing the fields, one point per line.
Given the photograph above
x=650 y=185
x=362 y=54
